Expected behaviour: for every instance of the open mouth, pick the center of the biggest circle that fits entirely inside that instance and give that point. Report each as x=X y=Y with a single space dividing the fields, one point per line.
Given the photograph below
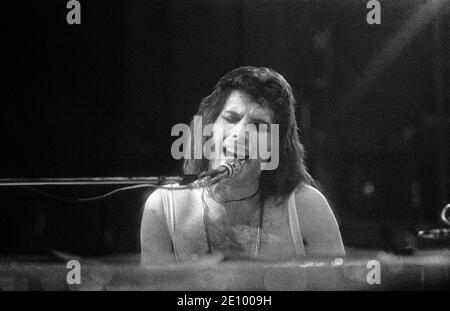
x=234 y=152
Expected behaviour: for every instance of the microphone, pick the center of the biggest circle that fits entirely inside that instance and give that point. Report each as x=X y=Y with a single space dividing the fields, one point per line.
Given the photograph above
x=229 y=169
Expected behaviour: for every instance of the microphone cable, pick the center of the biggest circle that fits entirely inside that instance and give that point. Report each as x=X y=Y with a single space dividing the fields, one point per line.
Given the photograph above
x=204 y=179
x=98 y=197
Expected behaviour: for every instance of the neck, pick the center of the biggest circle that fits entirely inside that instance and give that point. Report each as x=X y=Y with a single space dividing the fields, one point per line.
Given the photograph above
x=237 y=202
x=235 y=192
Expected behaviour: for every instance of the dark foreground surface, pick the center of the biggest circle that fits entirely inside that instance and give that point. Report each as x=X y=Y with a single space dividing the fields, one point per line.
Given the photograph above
x=425 y=270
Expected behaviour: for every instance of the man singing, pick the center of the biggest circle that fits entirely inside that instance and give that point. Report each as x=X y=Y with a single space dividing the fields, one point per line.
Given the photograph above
x=263 y=212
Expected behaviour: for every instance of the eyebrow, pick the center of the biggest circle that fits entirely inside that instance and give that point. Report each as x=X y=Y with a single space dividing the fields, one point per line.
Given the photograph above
x=258 y=120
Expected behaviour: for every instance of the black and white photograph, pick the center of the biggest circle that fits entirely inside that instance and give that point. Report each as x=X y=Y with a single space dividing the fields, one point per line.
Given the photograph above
x=225 y=150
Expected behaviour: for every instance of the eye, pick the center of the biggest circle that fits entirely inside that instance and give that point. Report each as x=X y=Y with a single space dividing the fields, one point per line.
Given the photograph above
x=230 y=119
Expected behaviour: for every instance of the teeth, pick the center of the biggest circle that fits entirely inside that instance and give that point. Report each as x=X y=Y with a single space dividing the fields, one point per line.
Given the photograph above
x=228 y=151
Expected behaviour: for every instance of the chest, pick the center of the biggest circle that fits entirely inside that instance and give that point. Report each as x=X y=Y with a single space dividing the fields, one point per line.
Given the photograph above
x=195 y=235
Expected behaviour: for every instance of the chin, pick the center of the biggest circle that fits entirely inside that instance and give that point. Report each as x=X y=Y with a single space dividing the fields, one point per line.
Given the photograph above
x=249 y=171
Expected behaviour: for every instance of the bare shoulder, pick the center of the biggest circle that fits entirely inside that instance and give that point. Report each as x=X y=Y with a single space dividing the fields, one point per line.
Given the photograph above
x=309 y=197
x=156 y=230
x=318 y=222
x=181 y=201
x=313 y=206
x=155 y=201
x=156 y=240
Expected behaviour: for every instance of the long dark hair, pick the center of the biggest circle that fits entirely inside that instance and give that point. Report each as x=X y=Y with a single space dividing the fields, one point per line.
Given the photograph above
x=269 y=89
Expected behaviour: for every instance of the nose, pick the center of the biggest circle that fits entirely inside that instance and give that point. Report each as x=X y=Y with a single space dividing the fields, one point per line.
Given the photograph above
x=238 y=133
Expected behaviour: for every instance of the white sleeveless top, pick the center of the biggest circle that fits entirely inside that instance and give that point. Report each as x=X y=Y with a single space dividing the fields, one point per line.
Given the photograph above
x=296 y=233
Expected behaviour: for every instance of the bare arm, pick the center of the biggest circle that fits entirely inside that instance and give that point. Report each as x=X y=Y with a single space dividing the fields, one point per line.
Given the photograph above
x=156 y=243
x=318 y=223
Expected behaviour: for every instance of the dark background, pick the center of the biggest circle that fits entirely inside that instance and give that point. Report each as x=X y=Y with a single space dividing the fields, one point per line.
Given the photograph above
x=100 y=99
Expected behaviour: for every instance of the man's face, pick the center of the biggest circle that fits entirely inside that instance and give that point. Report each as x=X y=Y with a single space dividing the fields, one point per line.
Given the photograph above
x=237 y=132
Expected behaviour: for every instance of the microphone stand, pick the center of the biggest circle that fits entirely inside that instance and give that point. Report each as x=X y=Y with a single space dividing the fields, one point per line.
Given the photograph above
x=228 y=169
x=14 y=182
